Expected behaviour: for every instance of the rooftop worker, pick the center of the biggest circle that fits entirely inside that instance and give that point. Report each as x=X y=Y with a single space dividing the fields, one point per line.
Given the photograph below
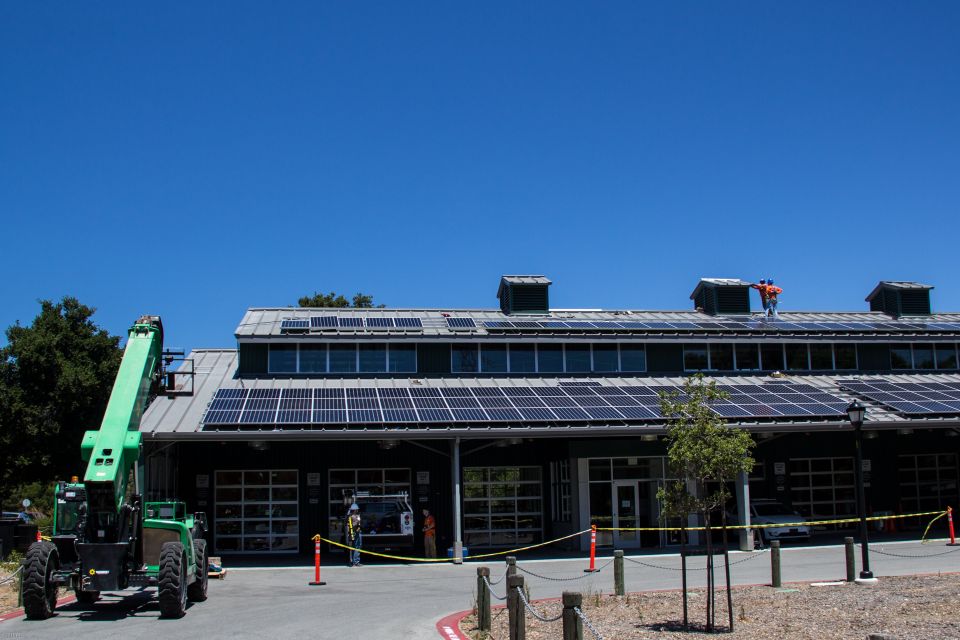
x=772 y=293
x=429 y=535
x=354 y=536
x=764 y=299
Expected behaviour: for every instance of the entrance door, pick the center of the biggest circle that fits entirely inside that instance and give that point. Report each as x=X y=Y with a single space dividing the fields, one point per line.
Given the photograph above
x=625 y=514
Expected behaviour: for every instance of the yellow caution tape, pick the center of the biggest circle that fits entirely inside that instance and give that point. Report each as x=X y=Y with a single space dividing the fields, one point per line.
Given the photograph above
x=778 y=525
x=923 y=538
x=318 y=537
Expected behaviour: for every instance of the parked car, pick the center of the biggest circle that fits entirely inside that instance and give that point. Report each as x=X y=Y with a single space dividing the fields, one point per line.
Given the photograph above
x=773 y=512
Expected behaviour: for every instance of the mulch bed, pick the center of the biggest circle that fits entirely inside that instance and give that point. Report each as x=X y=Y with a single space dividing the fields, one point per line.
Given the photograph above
x=907 y=608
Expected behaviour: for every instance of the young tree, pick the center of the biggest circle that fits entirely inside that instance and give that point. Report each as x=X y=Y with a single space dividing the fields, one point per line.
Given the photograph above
x=55 y=380
x=332 y=299
x=703 y=453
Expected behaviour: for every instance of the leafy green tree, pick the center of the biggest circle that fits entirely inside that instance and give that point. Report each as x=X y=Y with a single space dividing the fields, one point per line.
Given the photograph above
x=55 y=379
x=332 y=299
x=703 y=453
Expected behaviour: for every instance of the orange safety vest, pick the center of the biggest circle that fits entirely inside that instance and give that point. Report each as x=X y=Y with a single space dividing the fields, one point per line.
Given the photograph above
x=429 y=527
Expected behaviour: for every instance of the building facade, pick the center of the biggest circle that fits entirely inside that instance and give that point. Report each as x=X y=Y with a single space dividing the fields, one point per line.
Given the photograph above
x=525 y=423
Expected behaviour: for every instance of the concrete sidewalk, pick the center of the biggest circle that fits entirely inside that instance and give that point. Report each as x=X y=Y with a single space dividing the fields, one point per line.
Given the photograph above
x=406 y=601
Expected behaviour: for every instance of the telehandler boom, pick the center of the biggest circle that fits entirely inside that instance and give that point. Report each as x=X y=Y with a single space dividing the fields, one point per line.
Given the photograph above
x=105 y=538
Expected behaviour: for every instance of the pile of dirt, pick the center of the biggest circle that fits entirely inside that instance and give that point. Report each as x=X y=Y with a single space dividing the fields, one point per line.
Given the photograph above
x=907 y=608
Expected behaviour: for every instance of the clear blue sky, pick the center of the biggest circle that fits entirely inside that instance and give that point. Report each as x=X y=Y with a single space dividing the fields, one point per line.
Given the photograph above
x=195 y=160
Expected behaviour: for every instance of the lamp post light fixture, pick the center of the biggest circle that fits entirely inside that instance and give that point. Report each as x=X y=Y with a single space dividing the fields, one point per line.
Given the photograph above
x=856 y=412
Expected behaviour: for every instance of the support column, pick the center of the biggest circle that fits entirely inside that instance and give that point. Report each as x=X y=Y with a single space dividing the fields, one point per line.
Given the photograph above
x=457 y=518
x=743 y=508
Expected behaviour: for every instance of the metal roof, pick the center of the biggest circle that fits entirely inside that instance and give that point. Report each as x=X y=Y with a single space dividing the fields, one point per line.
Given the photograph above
x=895 y=284
x=180 y=417
x=265 y=322
x=718 y=282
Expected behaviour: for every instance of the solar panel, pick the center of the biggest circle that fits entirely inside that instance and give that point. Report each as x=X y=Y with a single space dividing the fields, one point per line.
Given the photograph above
x=380 y=323
x=323 y=322
x=912 y=398
x=294 y=324
x=350 y=323
x=469 y=415
x=461 y=323
x=399 y=415
x=584 y=400
x=408 y=323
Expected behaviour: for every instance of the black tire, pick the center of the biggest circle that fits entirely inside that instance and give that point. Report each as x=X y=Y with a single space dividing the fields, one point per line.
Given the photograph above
x=87 y=597
x=172 y=581
x=39 y=591
x=197 y=592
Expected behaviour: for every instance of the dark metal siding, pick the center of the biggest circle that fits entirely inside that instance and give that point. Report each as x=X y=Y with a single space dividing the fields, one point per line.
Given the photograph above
x=433 y=358
x=253 y=359
x=873 y=357
x=664 y=358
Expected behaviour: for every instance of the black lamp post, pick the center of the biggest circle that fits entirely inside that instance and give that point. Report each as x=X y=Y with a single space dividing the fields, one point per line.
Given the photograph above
x=855 y=412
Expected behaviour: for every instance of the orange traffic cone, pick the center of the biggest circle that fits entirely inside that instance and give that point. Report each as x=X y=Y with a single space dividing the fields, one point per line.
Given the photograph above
x=891 y=525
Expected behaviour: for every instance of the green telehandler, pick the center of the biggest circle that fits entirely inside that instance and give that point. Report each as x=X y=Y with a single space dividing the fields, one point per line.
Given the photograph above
x=105 y=537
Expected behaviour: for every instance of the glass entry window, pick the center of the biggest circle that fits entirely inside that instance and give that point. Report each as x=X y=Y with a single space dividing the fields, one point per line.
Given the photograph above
x=623 y=494
x=502 y=506
x=256 y=511
x=823 y=487
x=928 y=482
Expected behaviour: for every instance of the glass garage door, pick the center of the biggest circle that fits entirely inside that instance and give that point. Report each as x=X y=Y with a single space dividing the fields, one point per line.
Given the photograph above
x=823 y=487
x=502 y=506
x=256 y=511
x=928 y=482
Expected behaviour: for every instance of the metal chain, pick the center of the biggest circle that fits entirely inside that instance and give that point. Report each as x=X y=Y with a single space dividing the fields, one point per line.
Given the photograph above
x=533 y=611
x=579 y=577
x=750 y=557
x=875 y=549
x=13 y=575
x=498 y=581
x=586 y=621
x=490 y=589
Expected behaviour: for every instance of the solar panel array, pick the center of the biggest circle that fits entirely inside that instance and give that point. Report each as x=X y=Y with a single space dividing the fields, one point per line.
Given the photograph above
x=351 y=322
x=332 y=322
x=719 y=325
x=570 y=402
x=911 y=398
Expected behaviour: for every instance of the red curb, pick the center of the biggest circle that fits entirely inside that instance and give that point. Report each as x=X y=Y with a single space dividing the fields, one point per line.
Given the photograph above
x=449 y=626
x=17 y=613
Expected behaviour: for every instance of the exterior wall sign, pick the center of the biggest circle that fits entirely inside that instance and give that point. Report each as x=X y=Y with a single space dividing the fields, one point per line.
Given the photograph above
x=203 y=481
x=313 y=479
x=423 y=477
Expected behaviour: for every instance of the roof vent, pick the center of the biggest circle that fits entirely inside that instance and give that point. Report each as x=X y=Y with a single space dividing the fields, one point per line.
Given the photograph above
x=716 y=296
x=524 y=294
x=900 y=298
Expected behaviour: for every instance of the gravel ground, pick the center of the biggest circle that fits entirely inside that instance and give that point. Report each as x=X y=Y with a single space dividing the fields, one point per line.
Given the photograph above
x=911 y=607
x=8 y=596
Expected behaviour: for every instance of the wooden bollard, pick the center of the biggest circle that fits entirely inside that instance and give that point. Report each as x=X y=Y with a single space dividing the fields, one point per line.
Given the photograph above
x=851 y=559
x=516 y=622
x=776 y=580
x=618 y=573
x=572 y=624
x=483 y=599
x=511 y=565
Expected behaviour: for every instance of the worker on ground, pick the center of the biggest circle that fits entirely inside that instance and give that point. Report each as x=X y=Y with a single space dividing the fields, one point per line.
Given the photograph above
x=354 y=536
x=772 y=293
x=764 y=299
x=429 y=535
